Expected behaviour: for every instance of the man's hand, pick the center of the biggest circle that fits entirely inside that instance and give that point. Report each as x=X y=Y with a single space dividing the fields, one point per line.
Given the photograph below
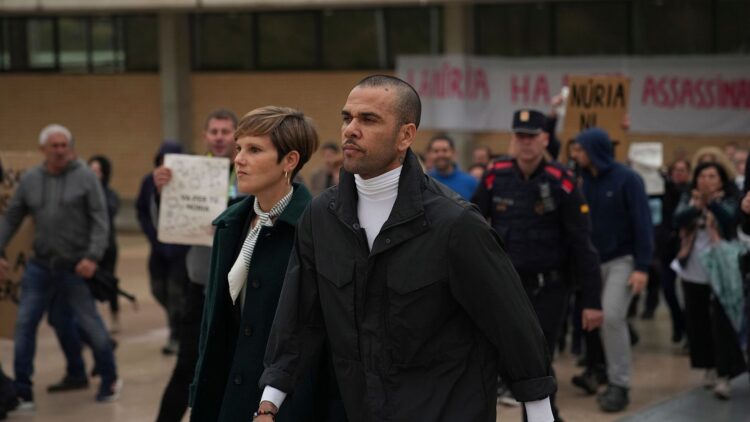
x=637 y=281
x=746 y=203
x=4 y=269
x=266 y=406
x=592 y=319
x=86 y=268
x=162 y=176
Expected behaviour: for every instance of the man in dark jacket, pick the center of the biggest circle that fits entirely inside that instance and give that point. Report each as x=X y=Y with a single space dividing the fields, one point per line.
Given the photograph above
x=623 y=235
x=542 y=218
x=409 y=284
x=166 y=262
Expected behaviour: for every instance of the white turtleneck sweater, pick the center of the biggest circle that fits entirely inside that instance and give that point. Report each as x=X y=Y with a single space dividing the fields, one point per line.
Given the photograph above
x=376 y=198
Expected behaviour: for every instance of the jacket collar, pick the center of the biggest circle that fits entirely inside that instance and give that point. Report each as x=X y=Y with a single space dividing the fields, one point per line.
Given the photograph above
x=237 y=215
x=408 y=201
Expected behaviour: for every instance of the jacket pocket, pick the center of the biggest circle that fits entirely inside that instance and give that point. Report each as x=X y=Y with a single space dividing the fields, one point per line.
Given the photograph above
x=405 y=278
x=338 y=272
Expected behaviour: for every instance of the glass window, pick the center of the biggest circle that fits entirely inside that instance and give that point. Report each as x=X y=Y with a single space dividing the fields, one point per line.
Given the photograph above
x=72 y=33
x=288 y=40
x=591 y=28
x=673 y=27
x=513 y=29
x=40 y=45
x=413 y=30
x=141 y=43
x=106 y=40
x=223 y=41
x=350 y=39
x=732 y=29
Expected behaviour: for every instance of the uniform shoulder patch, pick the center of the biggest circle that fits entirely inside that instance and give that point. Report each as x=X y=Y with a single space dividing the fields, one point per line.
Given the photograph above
x=502 y=165
x=567 y=185
x=554 y=171
x=489 y=180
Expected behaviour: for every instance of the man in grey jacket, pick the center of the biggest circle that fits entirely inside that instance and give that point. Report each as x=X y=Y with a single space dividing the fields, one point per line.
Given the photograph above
x=66 y=203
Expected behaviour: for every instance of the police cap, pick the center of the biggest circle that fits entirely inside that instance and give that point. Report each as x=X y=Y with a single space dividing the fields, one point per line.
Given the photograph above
x=529 y=121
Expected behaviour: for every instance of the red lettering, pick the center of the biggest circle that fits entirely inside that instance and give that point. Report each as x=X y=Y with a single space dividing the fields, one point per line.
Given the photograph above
x=456 y=79
x=425 y=88
x=541 y=89
x=481 y=86
x=516 y=89
x=663 y=95
x=649 y=91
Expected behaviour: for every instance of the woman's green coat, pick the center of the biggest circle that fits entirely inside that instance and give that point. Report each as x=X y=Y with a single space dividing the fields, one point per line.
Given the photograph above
x=230 y=362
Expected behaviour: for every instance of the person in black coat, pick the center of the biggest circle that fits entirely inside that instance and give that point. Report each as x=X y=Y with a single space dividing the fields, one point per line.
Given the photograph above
x=407 y=282
x=166 y=262
x=102 y=167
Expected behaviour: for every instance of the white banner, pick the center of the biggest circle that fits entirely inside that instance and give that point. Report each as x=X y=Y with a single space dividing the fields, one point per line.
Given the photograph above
x=195 y=196
x=690 y=95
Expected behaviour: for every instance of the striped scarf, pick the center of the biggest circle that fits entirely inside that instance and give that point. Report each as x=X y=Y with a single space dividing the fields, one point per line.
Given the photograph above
x=238 y=274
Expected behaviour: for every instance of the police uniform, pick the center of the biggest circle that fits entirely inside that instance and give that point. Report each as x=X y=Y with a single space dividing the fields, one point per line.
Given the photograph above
x=544 y=223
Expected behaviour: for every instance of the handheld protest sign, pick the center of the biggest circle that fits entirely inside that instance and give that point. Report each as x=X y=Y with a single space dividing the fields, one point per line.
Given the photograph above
x=598 y=101
x=195 y=196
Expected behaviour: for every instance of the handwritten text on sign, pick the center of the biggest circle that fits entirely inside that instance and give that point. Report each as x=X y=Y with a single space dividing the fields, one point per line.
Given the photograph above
x=195 y=196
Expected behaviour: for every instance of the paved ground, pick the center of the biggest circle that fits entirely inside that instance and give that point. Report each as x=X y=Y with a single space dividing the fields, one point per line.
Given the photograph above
x=660 y=374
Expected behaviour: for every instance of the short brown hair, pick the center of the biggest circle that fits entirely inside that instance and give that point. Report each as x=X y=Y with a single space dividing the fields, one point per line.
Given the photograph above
x=220 y=114
x=289 y=130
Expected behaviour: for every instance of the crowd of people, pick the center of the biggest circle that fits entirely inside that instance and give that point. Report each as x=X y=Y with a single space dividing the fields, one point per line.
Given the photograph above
x=392 y=286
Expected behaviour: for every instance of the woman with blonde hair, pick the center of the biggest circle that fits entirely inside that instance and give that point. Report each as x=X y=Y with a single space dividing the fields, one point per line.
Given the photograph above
x=714 y=155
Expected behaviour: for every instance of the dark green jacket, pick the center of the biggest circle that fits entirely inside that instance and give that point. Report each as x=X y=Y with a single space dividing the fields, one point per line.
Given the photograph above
x=230 y=362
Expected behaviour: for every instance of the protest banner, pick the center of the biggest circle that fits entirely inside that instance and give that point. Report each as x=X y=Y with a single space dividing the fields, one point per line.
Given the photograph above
x=14 y=163
x=195 y=196
x=597 y=101
x=697 y=95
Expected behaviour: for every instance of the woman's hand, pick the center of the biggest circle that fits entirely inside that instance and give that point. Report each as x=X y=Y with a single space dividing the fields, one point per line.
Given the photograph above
x=696 y=199
x=714 y=196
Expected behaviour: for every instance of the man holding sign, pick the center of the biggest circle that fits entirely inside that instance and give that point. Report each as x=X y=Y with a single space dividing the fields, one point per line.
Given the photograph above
x=218 y=136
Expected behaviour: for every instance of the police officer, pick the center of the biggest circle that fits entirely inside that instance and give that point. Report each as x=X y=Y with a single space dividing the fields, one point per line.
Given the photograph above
x=538 y=211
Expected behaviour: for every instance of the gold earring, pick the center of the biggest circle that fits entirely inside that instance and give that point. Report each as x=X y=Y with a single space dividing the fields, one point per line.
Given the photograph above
x=286 y=176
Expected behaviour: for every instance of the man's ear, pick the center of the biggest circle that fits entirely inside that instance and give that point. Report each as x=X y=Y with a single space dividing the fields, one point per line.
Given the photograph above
x=406 y=135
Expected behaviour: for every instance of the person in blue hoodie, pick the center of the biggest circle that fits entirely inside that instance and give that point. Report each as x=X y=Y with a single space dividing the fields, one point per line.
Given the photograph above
x=623 y=234
x=166 y=262
x=446 y=171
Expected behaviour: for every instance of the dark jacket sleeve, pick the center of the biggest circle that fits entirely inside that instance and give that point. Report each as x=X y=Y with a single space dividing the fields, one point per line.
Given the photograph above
x=585 y=258
x=640 y=215
x=96 y=206
x=685 y=213
x=205 y=323
x=298 y=330
x=725 y=212
x=483 y=195
x=143 y=209
x=484 y=283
